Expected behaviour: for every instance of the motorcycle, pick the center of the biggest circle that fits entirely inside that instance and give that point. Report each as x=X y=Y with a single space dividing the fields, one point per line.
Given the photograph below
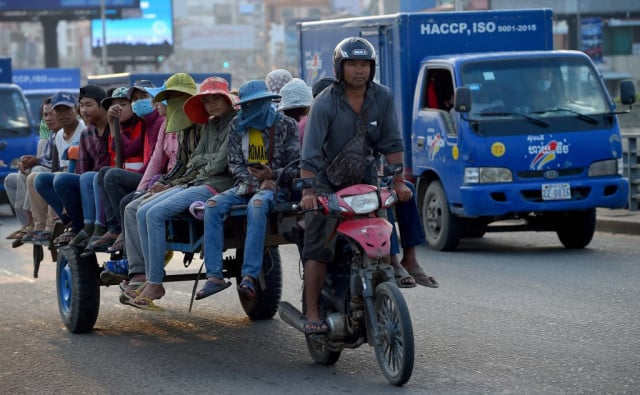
x=360 y=301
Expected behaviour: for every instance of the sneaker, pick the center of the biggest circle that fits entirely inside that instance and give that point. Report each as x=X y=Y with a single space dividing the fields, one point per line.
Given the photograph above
x=114 y=272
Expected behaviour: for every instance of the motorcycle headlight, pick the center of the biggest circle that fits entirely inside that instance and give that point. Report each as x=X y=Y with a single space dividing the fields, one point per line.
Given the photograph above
x=486 y=175
x=604 y=168
x=363 y=204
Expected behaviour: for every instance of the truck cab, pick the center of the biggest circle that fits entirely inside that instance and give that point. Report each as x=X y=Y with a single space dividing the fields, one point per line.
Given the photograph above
x=17 y=134
x=533 y=137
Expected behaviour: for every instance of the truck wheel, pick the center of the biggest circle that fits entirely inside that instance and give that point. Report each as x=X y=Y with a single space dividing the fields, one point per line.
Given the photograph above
x=265 y=304
x=577 y=228
x=78 y=289
x=441 y=226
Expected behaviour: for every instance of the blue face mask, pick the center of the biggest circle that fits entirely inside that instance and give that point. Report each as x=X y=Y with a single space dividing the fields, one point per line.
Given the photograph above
x=142 y=107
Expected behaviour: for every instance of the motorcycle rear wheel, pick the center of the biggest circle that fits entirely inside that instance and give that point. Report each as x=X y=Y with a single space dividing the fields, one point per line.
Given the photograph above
x=318 y=349
x=395 y=348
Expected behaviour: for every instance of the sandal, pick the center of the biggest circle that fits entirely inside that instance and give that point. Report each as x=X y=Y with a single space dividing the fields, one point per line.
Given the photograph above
x=18 y=234
x=145 y=302
x=211 y=288
x=80 y=239
x=103 y=242
x=316 y=328
x=117 y=245
x=246 y=288
x=64 y=238
x=403 y=278
x=423 y=279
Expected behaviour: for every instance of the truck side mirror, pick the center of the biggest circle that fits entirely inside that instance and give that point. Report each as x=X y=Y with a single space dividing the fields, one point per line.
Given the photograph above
x=462 y=99
x=627 y=92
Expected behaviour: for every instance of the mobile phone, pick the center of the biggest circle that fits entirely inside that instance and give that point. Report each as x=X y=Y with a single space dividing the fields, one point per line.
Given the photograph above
x=256 y=165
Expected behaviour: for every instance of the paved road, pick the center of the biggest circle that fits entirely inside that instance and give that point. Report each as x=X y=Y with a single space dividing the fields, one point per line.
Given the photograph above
x=516 y=313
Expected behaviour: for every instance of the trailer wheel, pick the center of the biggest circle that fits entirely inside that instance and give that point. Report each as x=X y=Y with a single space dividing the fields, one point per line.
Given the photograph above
x=577 y=228
x=265 y=304
x=78 y=289
x=441 y=226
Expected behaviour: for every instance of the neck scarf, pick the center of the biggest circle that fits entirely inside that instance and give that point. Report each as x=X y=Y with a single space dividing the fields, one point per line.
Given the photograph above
x=177 y=120
x=259 y=114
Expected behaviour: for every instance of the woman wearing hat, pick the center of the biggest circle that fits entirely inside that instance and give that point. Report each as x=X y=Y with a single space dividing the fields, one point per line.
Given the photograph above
x=296 y=102
x=261 y=145
x=207 y=174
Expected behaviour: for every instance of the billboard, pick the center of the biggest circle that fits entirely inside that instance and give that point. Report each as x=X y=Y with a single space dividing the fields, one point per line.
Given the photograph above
x=61 y=5
x=47 y=78
x=149 y=35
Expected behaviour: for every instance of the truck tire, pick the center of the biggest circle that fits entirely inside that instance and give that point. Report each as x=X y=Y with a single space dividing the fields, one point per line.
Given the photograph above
x=265 y=304
x=78 y=289
x=576 y=229
x=441 y=226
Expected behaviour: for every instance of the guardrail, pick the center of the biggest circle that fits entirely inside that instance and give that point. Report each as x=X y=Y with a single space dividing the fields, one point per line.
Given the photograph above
x=631 y=167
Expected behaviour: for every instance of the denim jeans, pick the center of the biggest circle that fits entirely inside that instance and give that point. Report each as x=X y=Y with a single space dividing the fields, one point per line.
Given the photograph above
x=92 y=208
x=133 y=247
x=62 y=192
x=259 y=206
x=152 y=218
x=114 y=184
x=409 y=223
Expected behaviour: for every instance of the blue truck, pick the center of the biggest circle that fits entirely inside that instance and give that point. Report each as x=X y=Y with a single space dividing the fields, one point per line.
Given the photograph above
x=532 y=141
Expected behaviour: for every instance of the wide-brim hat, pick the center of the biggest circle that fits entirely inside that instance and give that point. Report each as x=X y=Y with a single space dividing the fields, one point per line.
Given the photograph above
x=140 y=85
x=194 y=108
x=179 y=82
x=254 y=90
x=118 y=93
x=295 y=94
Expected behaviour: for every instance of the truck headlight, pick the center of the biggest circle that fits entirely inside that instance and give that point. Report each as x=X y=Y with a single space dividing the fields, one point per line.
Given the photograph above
x=486 y=175
x=609 y=167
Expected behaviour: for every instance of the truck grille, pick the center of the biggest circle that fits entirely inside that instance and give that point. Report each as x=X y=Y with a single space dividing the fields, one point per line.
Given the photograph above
x=540 y=173
x=535 y=195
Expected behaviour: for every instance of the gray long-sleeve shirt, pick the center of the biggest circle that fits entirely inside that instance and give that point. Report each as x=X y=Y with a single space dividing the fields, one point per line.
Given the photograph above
x=332 y=123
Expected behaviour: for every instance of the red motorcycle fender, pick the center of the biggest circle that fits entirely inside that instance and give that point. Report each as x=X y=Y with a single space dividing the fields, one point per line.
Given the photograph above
x=372 y=234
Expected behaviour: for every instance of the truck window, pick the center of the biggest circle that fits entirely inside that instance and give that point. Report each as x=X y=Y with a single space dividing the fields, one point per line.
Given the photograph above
x=14 y=119
x=536 y=86
x=438 y=93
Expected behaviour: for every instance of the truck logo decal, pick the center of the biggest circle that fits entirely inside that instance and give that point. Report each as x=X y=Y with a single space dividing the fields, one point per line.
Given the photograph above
x=498 y=149
x=435 y=143
x=312 y=64
x=545 y=153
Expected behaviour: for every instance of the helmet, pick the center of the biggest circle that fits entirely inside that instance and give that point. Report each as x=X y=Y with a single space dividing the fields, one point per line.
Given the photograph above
x=353 y=48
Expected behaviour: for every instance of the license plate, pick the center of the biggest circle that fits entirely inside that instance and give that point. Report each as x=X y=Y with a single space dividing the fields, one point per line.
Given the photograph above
x=556 y=191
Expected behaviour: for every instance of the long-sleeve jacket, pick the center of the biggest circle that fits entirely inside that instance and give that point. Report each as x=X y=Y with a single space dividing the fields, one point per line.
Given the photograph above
x=153 y=122
x=286 y=151
x=163 y=158
x=187 y=142
x=333 y=122
x=94 y=151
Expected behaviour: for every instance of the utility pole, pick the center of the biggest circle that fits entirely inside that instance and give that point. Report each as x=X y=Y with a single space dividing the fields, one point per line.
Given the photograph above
x=103 y=18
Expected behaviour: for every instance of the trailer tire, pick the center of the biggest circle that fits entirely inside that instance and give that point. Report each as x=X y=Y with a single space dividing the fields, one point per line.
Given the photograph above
x=78 y=289
x=576 y=229
x=265 y=303
x=442 y=227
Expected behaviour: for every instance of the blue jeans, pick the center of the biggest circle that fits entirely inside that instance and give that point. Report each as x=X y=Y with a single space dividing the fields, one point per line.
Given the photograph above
x=92 y=207
x=409 y=223
x=114 y=184
x=259 y=206
x=152 y=217
x=61 y=191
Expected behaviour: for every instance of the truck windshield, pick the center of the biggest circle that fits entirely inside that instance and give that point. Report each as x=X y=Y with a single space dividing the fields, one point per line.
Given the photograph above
x=553 y=87
x=14 y=119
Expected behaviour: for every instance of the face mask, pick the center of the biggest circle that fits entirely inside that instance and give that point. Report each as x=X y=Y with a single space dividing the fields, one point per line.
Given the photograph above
x=142 y=107
x=543 y=85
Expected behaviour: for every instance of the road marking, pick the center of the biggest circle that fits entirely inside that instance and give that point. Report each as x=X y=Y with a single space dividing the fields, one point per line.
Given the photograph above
x=9 y=277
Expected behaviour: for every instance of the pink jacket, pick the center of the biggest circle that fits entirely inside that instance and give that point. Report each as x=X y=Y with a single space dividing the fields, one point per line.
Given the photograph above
x=163 y=158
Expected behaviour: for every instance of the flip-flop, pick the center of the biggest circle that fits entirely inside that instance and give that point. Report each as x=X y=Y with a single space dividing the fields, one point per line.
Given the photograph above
x=147 y=305
x=423 y=279
x=403 y=278
x=132 y=287
x=211 y=288
x=316 y=328
x=246 y=289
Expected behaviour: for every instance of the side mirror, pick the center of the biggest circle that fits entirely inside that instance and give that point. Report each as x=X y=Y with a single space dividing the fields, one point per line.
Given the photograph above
x=462 y=99
x=627 y=92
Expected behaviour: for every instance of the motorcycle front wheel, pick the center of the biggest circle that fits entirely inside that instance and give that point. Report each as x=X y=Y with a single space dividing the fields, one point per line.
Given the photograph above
x=395 y=347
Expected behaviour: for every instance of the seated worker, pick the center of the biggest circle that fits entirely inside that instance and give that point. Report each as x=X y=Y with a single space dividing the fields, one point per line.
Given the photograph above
x=16 y=184
x=261 y=144
x=96 y=223
x=113 y=183
x=62 y=190
x=295 y=102
x=213 y=108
